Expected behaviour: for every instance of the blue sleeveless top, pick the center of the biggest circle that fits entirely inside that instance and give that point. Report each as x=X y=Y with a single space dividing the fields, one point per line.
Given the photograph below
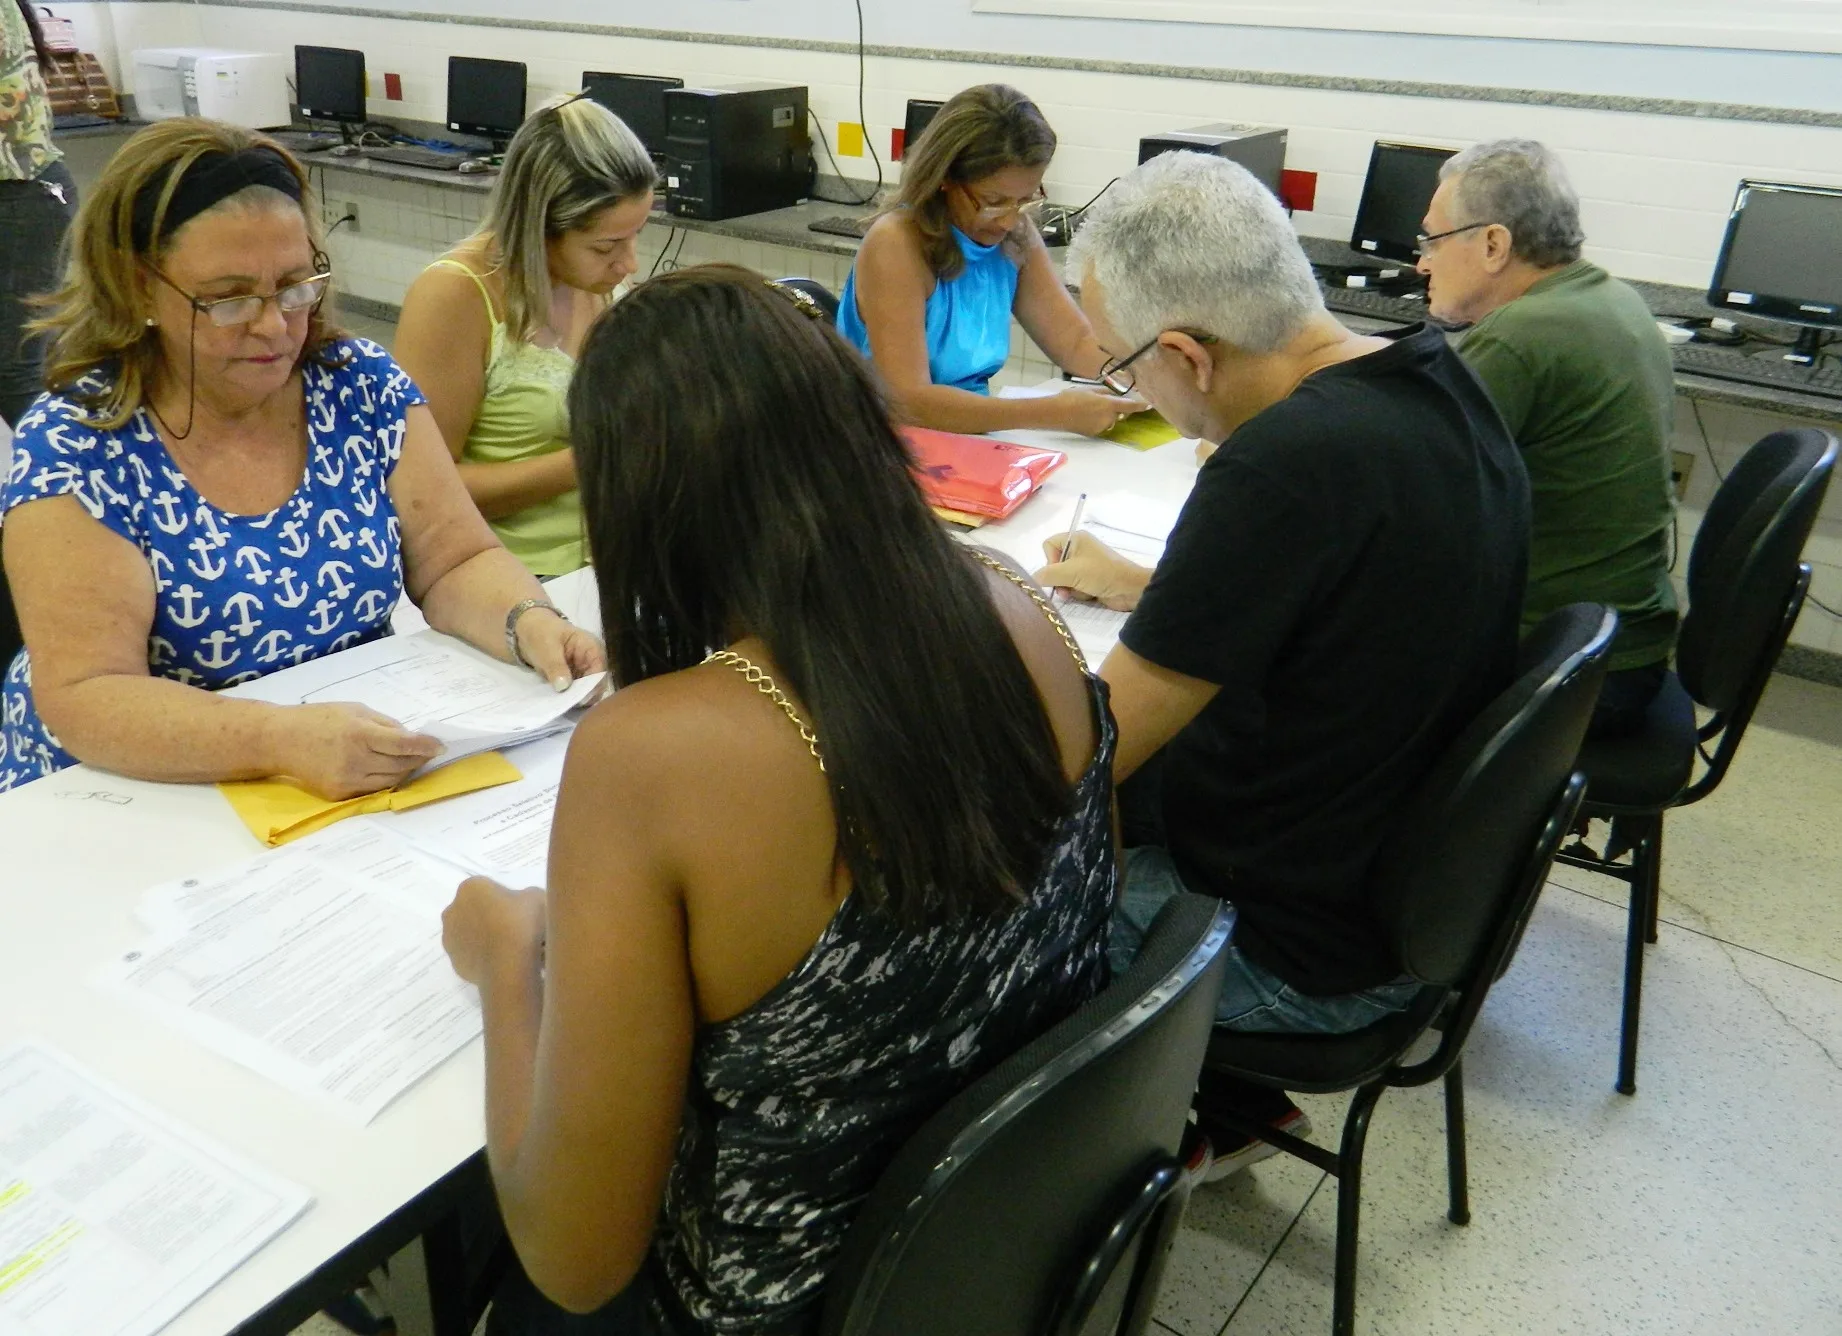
x=968 y=317
x=237 y=596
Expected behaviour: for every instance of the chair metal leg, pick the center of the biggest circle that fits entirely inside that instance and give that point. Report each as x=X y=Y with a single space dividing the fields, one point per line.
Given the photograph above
x=1656 y=878
x=1460 y=1212
x=1349 y=1207
x=1643 y=890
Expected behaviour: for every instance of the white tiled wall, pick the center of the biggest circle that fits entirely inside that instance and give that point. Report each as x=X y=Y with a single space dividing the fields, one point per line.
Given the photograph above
x=1655 y=189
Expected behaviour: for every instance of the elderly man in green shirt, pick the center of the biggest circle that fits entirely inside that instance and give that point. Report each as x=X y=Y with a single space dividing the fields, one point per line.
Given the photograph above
x=1575 y=363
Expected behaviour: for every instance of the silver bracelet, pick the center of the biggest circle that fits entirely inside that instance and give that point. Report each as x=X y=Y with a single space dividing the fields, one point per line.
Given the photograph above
x=519 y=609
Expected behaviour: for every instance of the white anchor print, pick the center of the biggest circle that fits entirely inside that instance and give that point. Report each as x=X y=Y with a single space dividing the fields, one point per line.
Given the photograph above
x=328 y=467
x=334 y=519
x=169 y=518
x=375 y=554
x=334 y=573
x=325 y=618
x=254 y=563
x=186 y=612
x=293 y=543
x=370 y=605
x=290 y=595
x=239 y=606
x=205 y=566
x=156 y=559
x=268 y=649
x=217 y=642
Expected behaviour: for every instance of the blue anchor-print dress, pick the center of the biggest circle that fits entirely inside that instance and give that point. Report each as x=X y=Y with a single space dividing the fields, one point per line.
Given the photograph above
x=237 y=596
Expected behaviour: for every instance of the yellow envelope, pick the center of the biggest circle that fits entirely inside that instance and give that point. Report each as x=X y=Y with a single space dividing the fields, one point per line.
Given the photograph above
x=276 y=811
x=1142 y=431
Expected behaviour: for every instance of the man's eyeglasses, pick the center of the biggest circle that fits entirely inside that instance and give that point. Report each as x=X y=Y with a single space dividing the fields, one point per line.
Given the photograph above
x=990 y=211
x=1422 y=240
x=224 y=312
x=1117 y=375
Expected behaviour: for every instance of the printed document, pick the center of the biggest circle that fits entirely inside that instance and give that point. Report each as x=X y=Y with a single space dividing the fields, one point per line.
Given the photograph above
x=1135 y=527
x=503 y=832
x=318 y=965
x=114 y=1218
x=432 y=683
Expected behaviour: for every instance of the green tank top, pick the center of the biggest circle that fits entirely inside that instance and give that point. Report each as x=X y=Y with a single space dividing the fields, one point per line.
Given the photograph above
x=524 y=414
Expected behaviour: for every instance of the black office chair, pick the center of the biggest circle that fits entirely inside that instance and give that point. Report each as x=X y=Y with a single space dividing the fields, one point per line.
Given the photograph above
x=811 y=290
x=1455 y=885
x=1746 y=586
x=1043 y=1200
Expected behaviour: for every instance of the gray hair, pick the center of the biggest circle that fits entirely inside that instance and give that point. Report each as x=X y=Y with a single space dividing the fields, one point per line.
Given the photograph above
x=1522 y=185
x=1192 y=241
x=570 y=159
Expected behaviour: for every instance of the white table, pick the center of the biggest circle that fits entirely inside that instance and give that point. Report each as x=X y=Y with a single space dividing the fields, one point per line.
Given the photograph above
x=80 y=847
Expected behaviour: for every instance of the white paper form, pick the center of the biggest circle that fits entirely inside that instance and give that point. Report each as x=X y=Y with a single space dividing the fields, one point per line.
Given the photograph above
x=432 y=683
x=1135 y=527
x=319 y=966
x=114 y=1218
x=503 y=832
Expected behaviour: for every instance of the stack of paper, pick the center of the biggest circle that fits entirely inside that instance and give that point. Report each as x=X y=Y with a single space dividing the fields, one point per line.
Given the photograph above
x=432 y=683
x=319 y=965
x=113 y=1219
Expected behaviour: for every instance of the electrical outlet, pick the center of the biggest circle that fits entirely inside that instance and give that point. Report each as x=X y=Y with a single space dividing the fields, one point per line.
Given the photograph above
x=338 y=209
x=1681 y=467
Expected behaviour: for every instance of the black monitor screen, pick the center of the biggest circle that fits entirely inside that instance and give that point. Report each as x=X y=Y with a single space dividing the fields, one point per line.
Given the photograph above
x=329 y=83
x=638 y=99
x=1399 y=186
x=485 y=97
x=1782 y=256
x=920 y=116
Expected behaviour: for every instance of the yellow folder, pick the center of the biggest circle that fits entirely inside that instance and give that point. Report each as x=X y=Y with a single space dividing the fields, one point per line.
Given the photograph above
x=277 y=811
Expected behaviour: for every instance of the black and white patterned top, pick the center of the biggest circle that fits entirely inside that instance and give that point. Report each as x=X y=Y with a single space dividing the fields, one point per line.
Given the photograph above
x=798 y=1104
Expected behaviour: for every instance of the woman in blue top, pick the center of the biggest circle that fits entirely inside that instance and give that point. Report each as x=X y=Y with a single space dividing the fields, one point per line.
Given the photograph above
x=939 y=277
x=220 y=485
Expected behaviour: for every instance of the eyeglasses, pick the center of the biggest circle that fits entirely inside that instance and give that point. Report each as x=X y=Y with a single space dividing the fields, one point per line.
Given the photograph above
x=1115 y=376
x=1421 y=241
x=227 y=311
x=989 y=211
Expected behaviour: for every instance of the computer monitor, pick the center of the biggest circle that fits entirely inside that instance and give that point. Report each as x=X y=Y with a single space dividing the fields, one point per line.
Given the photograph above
x=1782 y=259
x=485 y=97
x=1395 y=193
x=920 y=116
x=329 y=84
x=638 y=99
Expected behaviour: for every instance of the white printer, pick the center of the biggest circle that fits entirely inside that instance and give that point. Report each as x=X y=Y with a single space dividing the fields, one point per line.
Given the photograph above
x=246 y=88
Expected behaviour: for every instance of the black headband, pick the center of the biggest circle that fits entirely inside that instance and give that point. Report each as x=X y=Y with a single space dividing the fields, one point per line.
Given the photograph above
x=212 y=178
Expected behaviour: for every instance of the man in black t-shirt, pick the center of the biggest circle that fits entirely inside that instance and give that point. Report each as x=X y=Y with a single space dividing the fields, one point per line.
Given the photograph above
x=1338 y=599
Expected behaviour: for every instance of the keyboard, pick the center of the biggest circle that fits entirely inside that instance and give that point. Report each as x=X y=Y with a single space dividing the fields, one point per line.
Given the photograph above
x=1402 y=308
x=1767 y=368
x=410 y=155
x=843 y=225
x=79 y=120
x=304 y=141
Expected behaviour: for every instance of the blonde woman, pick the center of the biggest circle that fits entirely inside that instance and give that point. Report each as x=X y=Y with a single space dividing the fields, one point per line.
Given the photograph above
x=491 y=330
x=939 y=277
x=219 y=484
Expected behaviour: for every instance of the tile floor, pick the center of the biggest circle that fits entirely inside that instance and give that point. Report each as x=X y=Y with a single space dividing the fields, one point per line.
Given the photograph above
x=1702 y=1206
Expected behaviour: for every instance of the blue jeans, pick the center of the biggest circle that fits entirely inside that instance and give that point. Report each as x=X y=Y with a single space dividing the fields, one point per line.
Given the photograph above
x=1253 y=998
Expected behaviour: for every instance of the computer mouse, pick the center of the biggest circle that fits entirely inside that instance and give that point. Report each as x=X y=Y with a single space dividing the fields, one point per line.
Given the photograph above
x=473 y=166
x=343 y=150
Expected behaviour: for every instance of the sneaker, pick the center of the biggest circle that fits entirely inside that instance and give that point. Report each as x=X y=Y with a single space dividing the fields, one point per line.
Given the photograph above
x=1197 y=1154
x=1233 y=1151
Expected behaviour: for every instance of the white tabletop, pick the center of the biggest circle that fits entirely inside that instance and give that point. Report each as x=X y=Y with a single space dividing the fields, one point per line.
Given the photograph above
x=81 y=846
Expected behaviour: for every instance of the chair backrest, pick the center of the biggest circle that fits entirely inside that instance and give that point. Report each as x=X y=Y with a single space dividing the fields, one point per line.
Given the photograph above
x=983 y=1222
x=820 y=295
x=1461 y=851
x=1745 y=562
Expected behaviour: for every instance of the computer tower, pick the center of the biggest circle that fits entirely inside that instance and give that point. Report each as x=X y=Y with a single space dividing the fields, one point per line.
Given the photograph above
x=735 y=149
x=1259 y=148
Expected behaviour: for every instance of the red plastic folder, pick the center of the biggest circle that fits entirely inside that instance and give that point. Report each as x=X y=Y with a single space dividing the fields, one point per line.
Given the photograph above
x=976 y=475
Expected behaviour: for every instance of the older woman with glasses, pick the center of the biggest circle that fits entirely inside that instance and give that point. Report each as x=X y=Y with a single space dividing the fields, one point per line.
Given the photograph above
x=219 y=484
x=940 y=275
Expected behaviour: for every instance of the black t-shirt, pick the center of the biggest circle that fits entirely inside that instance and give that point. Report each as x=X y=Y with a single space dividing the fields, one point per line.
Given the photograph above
x=1349 y=570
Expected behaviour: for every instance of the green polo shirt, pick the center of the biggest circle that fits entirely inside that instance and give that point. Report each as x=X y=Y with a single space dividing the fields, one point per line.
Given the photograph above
x=1583 y=379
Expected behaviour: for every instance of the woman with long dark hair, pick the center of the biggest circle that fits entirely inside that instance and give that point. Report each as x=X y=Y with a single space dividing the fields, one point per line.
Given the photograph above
x=940 y=275
x=840 y=842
